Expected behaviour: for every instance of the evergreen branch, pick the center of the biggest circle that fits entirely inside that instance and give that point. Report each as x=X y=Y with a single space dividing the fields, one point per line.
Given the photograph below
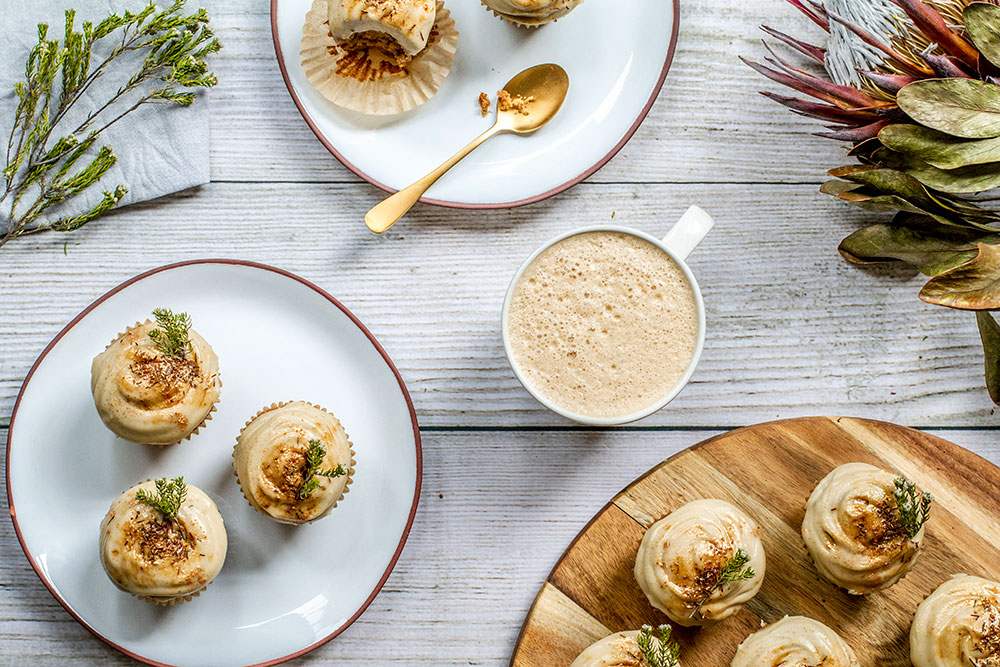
x=168 y=498
x=58 y=74
x=314 y=463
x=659 y=651
x=173 y=335
x=912 y=508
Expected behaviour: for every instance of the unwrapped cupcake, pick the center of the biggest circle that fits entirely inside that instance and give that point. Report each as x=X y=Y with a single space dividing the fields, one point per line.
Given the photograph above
x=958 y=625
x=638 y=648
x=163 y=541
x=294 y=462
x=378 y=57
x=157 y=382
x=795 y=640
x=531 y=13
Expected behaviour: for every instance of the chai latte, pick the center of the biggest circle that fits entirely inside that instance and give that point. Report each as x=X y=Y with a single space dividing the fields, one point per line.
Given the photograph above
x=603 y=324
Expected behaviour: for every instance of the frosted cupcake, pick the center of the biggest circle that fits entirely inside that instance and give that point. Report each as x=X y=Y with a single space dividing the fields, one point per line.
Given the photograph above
x=795 y=640
x=378 y=57
x=531 y=13
x=163 y=541
x=294 y=462
x=701 y=563
x=958 y=625
x=638 y=648
x=157 y=382
x=864 y=527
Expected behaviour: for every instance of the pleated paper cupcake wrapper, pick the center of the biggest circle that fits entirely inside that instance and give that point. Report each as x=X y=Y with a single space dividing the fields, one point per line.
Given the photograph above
x=383 y=95
x=350 y=472
x=208 y=416
x=526 y=21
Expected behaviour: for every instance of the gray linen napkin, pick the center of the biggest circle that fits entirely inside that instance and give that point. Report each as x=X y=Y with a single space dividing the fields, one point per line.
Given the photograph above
x=160 y=148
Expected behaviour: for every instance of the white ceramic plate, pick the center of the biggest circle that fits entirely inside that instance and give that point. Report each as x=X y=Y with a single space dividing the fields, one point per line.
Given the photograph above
x=617 y=53
x=284 y=590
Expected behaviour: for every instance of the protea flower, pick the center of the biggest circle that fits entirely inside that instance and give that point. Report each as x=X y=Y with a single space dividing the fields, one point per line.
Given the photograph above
x=915 y=88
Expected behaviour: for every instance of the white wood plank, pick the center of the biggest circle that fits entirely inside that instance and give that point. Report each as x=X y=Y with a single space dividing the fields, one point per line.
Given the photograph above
x=793 y=329
x=484 y=540
x=708 y=125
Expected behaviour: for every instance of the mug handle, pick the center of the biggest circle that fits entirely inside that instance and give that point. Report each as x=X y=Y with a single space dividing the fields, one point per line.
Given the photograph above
x=688 y=232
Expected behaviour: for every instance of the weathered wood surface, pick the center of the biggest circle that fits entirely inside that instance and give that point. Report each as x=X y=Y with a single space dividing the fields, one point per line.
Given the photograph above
x=769 y=470
x=794 y=331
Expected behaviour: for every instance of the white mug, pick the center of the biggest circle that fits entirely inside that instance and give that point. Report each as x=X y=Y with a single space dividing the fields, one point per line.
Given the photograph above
x=679 y=242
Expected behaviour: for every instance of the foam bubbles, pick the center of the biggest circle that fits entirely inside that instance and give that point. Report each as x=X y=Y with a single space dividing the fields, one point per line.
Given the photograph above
x=620 y=324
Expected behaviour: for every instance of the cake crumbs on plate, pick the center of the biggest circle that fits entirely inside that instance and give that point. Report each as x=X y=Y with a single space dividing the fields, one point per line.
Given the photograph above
x=515 y=103
x=484 y=104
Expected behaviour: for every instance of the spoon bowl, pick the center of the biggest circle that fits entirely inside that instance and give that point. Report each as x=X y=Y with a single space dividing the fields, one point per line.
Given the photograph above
x=538 y=93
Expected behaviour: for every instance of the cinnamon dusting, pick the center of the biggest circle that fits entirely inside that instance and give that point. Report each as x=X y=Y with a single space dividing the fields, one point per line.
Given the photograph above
x=156 y=540
x=988 y=645
x=287 y=471
x=879 y=528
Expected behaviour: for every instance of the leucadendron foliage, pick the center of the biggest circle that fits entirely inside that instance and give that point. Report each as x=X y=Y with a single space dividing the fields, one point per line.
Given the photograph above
x=915 y=88
x=53 y=155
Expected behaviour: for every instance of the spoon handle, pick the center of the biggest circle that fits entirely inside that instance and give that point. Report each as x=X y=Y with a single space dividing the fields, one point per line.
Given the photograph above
x=386 y=214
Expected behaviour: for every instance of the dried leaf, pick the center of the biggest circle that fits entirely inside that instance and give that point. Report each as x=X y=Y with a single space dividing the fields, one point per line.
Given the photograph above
x=982 y=24
x=939 y=149
x=961 y=107
x=989 y=331
x=975 y=178
x=931 y=252
x=974 y=285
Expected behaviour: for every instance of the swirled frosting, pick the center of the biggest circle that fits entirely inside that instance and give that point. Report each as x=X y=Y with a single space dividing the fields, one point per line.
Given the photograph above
x=852 y=530
x=409 y=22
x=617 y=650
x=681 y=557
x=533 y=11
x=150 y=556
x=149 y=397
x=270 y=461
x=795 y=641
x=958 y=625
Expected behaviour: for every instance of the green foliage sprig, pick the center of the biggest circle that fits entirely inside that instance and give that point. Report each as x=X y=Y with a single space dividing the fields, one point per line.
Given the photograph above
x=659 y=650
x=734 y=570
x=913 y=508
x=42 y=169
x=169 y=496
x=173 y=335
x=314 y=462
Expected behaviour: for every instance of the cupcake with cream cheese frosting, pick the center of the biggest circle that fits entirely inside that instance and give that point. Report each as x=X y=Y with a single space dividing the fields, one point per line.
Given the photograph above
x=629 y=649
x=294 y=462
x=378 y=57
x=157 y=382
x=958 y=625
x=854 y=529
x=163 y=542
x=531 y=13
x=701 y=563
x=795 y=640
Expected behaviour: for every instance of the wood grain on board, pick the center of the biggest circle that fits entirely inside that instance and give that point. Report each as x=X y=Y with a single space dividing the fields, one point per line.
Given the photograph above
x=769 y=470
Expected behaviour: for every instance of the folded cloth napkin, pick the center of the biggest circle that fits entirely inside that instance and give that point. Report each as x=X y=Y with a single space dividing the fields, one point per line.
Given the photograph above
x=160 y=148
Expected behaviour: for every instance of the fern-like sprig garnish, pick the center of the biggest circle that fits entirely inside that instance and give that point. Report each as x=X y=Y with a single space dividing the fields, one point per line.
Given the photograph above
x=314 y=462
x=734 y=570
x=658 y=650
x=169 y=496
x=173 y=333
x=912 y=508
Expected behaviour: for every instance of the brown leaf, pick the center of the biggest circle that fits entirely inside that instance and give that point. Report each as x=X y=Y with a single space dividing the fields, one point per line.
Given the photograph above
x=974 y=285
x=930 y=251
x=989 y=331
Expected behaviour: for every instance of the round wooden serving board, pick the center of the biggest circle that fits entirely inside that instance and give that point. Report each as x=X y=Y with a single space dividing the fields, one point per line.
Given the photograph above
x=769 y=470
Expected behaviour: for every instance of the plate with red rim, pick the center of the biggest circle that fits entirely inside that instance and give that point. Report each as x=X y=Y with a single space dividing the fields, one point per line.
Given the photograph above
x=614 y=82
x=284 y=590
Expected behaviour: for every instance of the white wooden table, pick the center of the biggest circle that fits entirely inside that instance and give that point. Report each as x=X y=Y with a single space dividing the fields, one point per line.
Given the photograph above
x=793 y=330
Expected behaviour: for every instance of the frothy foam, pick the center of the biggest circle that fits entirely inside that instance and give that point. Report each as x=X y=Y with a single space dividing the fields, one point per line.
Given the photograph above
x=603 y=324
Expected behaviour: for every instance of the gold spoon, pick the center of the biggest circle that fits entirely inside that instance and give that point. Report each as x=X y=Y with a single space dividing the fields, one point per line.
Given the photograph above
x=544 y=85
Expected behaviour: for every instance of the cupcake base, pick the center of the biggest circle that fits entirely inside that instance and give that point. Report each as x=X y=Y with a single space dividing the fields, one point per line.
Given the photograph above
x=527 y=21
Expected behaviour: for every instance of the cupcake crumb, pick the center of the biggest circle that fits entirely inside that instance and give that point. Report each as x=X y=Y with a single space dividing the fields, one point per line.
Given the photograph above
x=484 y=104
x=515 y=103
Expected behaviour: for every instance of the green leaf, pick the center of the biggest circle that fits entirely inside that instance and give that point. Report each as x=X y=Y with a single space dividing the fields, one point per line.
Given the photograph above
x=974 y=285
x=982 y=25
x=960 y=107
x=931 y=252
x=989 y=331
x=975 y=178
